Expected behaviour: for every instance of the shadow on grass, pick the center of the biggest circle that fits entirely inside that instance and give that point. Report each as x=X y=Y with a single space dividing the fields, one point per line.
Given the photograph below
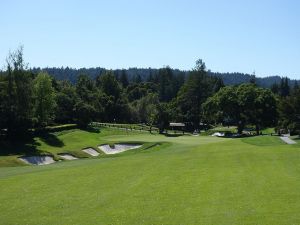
x=27 y=145
x=91 y=129
x=24 y=146
x=51 y=139
x=173 y=135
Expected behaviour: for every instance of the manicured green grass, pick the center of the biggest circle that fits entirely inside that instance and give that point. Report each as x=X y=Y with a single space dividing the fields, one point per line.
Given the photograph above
x=269 y=131
x=68 y=141
x=222 y=129
x=264 y=141
x=182 y=180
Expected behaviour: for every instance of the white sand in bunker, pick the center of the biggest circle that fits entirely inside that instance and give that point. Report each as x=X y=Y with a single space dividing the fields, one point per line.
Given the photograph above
x=38 y=160
x=117 y=148
x=288 y=140
x=91 y=151
x=67 y=156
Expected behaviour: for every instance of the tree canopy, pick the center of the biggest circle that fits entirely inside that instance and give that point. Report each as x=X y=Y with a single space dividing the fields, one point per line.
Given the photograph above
x=34 y=100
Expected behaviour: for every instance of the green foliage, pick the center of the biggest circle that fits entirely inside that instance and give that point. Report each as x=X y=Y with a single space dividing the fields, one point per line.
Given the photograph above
x=27 y=99
x=17 y=95
x=242 y=105
x=198 y=87
x=144 y=109
x=84 y=113
x=44 y=99
x=162 y=117
x=289 y=109
x=124 y=79
x=109 y=84
x=66 y=99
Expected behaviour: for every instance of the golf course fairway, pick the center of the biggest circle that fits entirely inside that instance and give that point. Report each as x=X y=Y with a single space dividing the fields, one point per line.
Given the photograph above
x=175 y=180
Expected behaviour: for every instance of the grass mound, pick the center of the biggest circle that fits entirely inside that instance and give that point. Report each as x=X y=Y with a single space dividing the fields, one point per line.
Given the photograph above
x=263 y=141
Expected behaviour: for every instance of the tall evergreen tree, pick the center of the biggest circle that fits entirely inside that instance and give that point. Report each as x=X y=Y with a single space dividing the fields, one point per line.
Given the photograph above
x=166 y=79
x=284 y=87
x=198 y=87
x=275 y=88
x=18 y=105
x=124 y=79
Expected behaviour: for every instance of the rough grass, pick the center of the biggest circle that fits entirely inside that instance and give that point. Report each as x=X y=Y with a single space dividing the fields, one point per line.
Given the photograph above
x=180 y=180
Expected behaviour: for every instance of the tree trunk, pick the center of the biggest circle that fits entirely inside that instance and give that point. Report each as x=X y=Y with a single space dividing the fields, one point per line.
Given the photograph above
x=240 y=127
x=257 y=129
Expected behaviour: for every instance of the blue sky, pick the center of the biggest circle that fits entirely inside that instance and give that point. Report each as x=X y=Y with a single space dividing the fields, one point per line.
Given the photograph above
x=233 y=35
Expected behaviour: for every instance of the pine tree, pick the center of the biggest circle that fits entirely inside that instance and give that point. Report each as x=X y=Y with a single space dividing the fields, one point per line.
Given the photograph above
x=124 y=79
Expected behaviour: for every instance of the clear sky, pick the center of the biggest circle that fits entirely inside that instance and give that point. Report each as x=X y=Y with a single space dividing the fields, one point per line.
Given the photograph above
x=229 y=35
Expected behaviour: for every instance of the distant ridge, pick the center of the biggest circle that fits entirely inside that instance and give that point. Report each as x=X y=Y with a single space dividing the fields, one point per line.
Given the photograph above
x=66 y=73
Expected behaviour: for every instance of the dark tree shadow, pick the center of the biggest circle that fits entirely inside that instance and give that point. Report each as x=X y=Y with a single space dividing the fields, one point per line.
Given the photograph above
x=24 y=146
x=172 y=135
x=92 y=129
x=51 y=139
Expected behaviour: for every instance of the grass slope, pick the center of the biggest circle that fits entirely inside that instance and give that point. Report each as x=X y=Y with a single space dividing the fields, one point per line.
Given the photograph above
x=184 y=180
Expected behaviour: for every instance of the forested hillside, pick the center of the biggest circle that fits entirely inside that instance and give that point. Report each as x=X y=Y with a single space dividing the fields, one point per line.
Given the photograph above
x=140 y=74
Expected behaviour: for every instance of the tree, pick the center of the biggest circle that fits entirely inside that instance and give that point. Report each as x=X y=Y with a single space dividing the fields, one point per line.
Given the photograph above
x=124 y=79
x=85 y=110
x=284 y=87
x=3 y=98
x=262 y=112
x=162 y=117
x=85 y=88
x=112 y=98
x=224 y=107
x=109 y=84
x=242 y=105
x=296 y=87
x=275 y=88
x=66 y=98
x=198 y=87
x=218 y=84
x=289 y=111
x=18 y=103
x=253 y=79
x=84 y=113
x=165 y=80
x=146 y=108
x=138 y=79
x=44 y=99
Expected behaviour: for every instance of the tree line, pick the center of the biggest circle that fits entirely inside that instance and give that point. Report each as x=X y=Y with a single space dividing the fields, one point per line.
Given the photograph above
x=31 y=99
x=143 y=74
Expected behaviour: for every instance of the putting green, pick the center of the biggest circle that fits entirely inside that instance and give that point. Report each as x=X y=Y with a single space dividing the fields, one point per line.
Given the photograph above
x=182 y=180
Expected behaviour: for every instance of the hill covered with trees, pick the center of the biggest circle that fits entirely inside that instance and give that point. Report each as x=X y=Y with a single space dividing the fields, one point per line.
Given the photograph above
x=136 y=74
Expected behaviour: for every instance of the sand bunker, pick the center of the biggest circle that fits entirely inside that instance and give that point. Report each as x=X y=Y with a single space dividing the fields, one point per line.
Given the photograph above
x=218 y=134
x=38 y=160
x=117 y=148
x=67 y=156
x=287 y=140
x=91 y=151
